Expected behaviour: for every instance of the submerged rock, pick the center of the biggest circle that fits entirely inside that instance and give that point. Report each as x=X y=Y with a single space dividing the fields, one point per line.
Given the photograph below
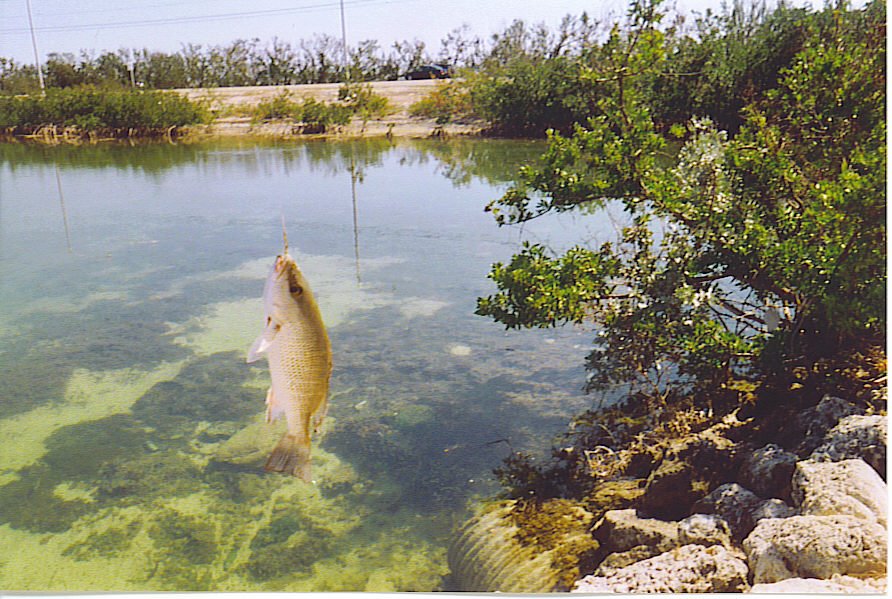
x=847 y=487
x=687 y=569
x=856 y=436
x=815 y=547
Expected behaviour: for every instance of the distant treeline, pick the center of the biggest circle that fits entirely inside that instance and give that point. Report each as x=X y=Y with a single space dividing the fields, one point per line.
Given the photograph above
x=522 y=81
x=279 y=62
x=713 y=65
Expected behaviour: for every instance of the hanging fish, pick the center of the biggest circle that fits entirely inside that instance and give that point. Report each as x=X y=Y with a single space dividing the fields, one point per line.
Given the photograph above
x=297 y=348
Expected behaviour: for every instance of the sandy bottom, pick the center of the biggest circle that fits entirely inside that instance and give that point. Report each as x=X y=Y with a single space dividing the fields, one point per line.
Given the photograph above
x=152 y=522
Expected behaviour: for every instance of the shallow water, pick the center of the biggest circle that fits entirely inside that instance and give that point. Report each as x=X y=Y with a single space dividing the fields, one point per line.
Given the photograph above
x=132 y=436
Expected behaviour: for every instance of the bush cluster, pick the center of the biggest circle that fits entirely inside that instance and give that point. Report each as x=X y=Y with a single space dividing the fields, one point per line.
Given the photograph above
x=449 y=102
x=315 y=116
x=749 y=270
x=92 y=109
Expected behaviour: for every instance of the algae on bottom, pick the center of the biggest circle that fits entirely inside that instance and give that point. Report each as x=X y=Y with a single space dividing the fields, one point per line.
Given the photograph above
x=267 y=536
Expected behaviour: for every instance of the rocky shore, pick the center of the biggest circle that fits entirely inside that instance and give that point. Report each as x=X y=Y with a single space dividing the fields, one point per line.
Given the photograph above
x=712 y=513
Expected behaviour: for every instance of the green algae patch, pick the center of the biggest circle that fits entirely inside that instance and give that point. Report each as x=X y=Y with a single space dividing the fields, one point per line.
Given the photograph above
x=191 y=538
x=89 y=395
x=27 y=384
x=31 y=503
x=43 y=498
x=287 y=546
x=560 y=528
x=411 y=415
x=207 y=389
x=136 y=479
x=390 y=562
x=53 y=305
x=233 y=528
x=104 y=544
x=76 y=451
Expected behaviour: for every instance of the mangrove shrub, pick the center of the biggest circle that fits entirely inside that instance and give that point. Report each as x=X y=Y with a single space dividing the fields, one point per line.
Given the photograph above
x=91 y=109
x=745 y=256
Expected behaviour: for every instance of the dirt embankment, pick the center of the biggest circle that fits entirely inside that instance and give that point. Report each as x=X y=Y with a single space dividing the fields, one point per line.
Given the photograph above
x=234 y=103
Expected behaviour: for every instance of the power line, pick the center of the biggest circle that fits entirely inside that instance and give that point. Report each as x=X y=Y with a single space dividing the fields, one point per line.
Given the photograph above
x=130 y=8
x=200 y=18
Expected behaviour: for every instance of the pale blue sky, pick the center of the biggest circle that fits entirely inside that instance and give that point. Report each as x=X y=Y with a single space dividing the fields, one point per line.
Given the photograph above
x=166 y=25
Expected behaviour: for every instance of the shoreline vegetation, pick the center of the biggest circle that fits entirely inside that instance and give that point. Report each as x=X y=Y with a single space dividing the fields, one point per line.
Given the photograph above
x=89 y=114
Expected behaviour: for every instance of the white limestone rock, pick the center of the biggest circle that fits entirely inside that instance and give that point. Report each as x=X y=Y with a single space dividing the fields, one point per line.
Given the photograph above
x=815 y=547
x=856 y=436
x=815 y=422
x=772 y=508
x=704 y=529
x=618 y=561
x=814 y=586
x=686 y=569
x=621 y=530
x=848 y=487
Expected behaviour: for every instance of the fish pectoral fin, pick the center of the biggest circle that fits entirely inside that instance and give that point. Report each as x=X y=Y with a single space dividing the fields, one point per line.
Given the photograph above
x=274 y=411
x=262 y=343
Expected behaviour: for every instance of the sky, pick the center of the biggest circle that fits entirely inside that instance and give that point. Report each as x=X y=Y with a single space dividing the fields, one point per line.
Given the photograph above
x=167 y=25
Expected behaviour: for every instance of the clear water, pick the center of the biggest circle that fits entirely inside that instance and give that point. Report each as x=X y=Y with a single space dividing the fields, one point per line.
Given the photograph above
x=132 y=441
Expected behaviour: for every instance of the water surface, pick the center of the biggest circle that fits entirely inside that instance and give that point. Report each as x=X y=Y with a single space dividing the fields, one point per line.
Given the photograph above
x=133 y=440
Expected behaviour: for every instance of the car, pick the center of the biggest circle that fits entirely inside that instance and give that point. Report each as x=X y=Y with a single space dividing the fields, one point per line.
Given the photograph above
x=430 y=71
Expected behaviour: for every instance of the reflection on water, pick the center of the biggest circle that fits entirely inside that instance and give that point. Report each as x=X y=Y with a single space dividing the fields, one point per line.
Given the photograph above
x=132 y=427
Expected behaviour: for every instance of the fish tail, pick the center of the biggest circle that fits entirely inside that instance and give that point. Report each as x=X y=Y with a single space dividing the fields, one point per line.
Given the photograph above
x=291 y=456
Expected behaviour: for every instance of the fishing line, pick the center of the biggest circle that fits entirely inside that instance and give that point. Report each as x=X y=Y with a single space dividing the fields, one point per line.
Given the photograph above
x=62 y=204
x=284 y=232
x=355 y=212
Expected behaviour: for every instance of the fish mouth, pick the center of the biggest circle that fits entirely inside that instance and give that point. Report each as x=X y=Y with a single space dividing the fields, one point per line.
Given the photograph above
x=281 y=264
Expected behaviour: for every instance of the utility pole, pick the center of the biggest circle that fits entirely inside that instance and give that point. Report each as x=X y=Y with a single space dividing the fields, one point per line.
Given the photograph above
x=343 y=41
x=34 y=45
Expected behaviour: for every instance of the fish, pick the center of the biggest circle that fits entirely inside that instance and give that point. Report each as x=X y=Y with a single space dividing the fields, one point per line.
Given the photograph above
x=298 y=350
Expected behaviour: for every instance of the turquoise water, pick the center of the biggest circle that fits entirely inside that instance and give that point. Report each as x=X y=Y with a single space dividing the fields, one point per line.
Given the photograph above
x=133 y=440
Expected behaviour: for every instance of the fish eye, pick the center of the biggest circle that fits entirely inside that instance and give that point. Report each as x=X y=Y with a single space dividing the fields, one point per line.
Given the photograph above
x=295 y=289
